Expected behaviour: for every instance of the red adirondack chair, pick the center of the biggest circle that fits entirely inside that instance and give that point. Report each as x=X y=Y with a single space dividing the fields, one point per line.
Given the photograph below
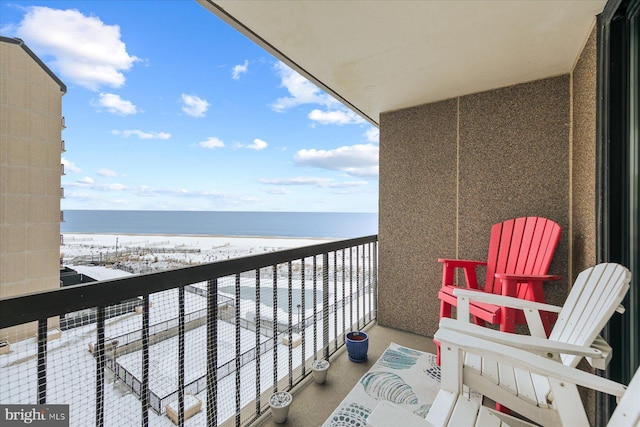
x=520 y=252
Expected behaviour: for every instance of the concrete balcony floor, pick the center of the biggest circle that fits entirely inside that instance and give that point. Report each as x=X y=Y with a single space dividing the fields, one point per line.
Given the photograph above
x=313 y=403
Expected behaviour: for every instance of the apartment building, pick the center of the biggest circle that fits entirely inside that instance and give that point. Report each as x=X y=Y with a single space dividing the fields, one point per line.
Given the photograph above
x=31 y=123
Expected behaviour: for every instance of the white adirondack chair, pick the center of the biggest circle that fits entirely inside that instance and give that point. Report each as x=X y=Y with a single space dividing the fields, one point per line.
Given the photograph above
x=593 y=299
x=452 y=409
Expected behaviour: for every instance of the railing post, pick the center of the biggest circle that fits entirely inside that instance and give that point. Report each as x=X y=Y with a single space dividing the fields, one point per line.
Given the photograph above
x=301 y=323
x=358 y=287
x=344 y=296
x=181 y=351
x=212 y=352
x=99 y=350
x=325 y=305
x=375 y=279
x=258 y=324
x=351 y=288
x=369 y=281
x=290 y=323
x=275 y=328
x=238 y=349
x=335 y=296
x=42 y=361
x=145 y=361
x=315 y=307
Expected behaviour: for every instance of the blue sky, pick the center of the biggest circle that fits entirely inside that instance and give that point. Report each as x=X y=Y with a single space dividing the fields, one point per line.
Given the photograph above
x=169 y=108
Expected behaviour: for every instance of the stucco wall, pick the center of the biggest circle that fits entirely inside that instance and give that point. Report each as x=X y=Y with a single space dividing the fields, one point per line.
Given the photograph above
x=450 y=170
x=417 y=215
x=584 y=158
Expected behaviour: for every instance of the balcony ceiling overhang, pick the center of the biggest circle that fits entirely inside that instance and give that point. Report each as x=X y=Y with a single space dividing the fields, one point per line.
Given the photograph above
x=378 y=56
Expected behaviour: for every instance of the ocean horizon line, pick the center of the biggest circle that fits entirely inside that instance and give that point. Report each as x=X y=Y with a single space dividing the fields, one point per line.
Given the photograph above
x=229 y=211
x=277 y=224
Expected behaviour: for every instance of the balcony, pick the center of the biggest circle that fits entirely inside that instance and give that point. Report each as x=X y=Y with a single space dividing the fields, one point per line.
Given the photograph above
x=130 y=347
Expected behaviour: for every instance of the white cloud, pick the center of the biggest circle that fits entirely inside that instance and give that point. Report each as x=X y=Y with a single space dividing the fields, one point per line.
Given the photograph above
x=347 y=184
x=116 y=105
x=86 y=180
x=258 y=144
x=107 y=172
x=357 y=160
x=372 y=134
x=70 y=166
x=115 y=187
x=302 y=91
x=302 y=180
x=148 y=191
x=194 y=105
x=278 y=191
x=239 y=69
x=83 y=49
x=141 y=134
x=336 y=117
x=211 y=142
x=89 y=183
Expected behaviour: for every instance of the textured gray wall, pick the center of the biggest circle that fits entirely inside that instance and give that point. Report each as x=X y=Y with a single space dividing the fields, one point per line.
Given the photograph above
x=417 y=212
x=584 y=159
x=450 y=170
x=514 y=161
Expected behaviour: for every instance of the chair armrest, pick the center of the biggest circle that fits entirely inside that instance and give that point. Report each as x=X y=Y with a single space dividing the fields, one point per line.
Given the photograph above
x=542 y=346
x=527 y=278
x=510 y=282
x=521 y=304
x=522 y=359
x=605 y=349
x=468 y=266
x=459 y=263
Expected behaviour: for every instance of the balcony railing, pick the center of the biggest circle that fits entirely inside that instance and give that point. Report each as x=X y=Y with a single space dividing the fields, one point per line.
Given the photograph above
x=230 y=333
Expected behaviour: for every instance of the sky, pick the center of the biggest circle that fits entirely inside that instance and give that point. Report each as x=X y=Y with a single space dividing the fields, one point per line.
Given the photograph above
x=169 y=108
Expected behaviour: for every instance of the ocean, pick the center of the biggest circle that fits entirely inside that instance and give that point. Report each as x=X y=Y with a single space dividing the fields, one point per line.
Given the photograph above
x=217 y=223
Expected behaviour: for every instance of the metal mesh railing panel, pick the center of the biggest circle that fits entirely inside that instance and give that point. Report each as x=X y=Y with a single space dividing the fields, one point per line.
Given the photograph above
x=204 y=353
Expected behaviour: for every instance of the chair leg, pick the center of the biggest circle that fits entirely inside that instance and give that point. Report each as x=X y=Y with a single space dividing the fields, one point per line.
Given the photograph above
x=508 y=321
x=445 y=311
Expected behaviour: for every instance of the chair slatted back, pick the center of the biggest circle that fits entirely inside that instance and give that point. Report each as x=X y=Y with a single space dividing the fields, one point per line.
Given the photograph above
x=520 y=246
x=596 y=294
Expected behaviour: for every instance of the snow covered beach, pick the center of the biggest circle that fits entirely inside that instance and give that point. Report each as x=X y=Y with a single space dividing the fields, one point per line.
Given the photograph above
x=154 y=252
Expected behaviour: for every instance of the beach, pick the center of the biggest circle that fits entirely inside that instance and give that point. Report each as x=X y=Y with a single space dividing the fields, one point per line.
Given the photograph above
x=137 y=253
